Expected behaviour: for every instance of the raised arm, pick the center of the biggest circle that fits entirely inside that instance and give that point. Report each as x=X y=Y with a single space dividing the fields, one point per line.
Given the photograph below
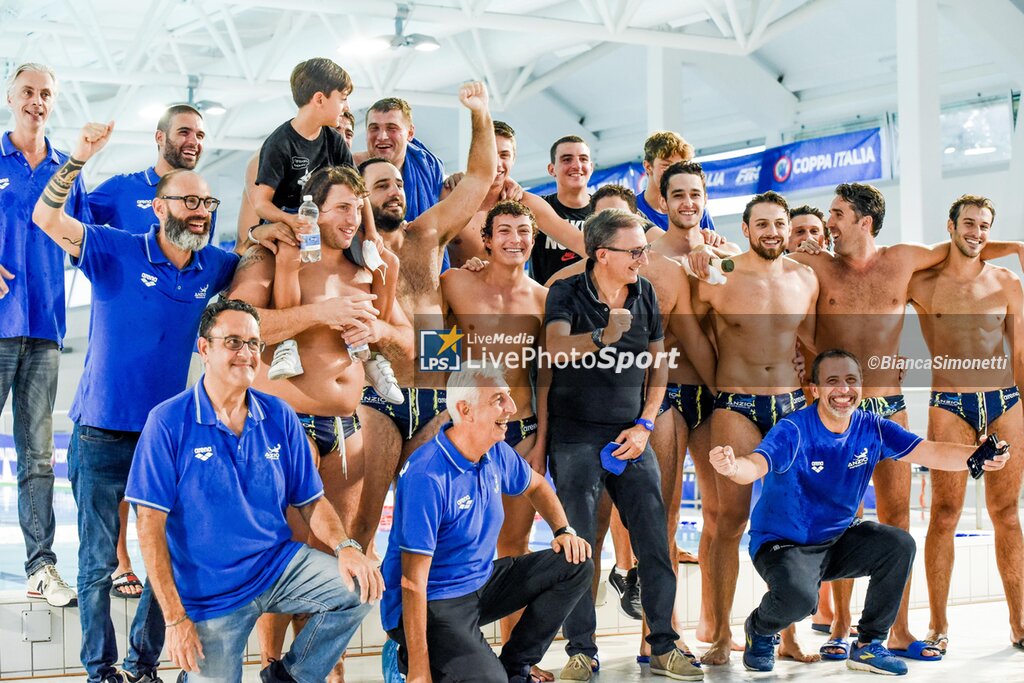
x=182 y=639
x=451 y=214
x=554 y=226
x=49 y=212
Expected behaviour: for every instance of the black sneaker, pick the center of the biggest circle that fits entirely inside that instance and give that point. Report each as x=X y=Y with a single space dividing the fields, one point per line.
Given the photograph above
x=628 y=588
x=275 y=673
x=146 y=677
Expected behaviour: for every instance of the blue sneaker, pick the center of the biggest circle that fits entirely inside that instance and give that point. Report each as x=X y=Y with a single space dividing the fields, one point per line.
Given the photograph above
x=759 y=654
x=876 y=658
x=389 y=663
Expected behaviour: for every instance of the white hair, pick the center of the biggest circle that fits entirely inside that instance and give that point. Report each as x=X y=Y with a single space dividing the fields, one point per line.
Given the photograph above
x=464 y=385
x=30 y=66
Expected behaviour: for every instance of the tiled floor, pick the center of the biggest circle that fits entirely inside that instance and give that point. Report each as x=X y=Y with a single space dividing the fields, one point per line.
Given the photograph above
x=980 y=652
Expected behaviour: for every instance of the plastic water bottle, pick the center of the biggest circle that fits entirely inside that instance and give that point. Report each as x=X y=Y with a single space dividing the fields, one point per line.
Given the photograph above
x=309 y=237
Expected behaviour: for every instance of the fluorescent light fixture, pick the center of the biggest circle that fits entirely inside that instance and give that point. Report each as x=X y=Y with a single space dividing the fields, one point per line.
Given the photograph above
x=976 y=151
x=211 y=107
x=949 y=150
x=422 y=42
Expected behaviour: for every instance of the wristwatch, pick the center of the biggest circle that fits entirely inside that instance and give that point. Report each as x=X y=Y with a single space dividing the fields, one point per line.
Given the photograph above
x=347 y=543
x=646 y=424
x=596 y=336
x=564 y=530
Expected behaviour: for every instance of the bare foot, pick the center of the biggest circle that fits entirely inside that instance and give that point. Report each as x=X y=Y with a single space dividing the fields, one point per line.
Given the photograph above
x=790 y=648
x=686 y=557
x=541 y=674
x=718 y=653
x=705 y=633
x=337 y=674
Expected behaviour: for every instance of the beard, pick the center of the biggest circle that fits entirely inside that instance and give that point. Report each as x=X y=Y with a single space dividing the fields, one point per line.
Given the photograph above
x=768 y=254
x=174 y=157
x=387 y=222
x=178 y=234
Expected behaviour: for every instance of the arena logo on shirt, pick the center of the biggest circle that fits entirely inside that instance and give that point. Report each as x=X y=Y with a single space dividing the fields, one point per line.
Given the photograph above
x=859 y=460
x=144 y=203
x=203 y=453
x=464 y=503
x=148 y=280
x=818 y=466
x=4 y=182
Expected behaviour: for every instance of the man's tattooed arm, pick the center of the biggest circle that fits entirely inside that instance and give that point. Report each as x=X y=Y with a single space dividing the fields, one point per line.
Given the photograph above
x=56 y=191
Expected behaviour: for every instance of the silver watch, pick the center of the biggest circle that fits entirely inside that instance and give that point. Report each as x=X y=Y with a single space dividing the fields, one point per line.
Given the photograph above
x=347 y=543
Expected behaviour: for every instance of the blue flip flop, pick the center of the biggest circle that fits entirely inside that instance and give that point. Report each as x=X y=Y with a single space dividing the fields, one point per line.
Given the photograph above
x=916 y=651
x=835 y=643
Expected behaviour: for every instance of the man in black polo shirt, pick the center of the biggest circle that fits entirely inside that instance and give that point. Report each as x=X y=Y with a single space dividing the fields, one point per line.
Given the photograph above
x=606 y=321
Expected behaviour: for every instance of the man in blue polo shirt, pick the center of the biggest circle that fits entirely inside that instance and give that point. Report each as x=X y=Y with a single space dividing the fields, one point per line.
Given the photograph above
x=662 y=149
x=443 y=581
x=215 y=469
x=126 y=201
x=816 y=464
x=148 y=294
x=32 y=321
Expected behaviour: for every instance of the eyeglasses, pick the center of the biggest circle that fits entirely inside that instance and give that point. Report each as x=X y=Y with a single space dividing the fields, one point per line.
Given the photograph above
x=193 y=201
x=635 y=253
x=236 y=343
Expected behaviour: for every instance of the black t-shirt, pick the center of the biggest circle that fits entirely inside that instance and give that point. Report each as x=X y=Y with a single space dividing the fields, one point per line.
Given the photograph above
x=550 y=256
x=587 y=400
x=287 y=160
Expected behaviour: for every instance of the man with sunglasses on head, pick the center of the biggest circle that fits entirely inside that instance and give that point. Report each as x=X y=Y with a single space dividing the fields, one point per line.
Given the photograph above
x=604 y=334
x=149 y=292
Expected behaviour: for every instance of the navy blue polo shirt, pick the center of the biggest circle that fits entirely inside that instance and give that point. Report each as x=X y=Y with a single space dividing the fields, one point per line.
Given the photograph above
x=450 y=509
x=145 y=318
x=590 y=398
x=661 y=219
x=35 y=305
x=225 y=496
x=125 y=201
x=816 y=479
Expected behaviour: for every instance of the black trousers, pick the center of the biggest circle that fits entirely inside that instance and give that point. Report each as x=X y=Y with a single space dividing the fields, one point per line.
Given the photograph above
x=580 y=480
x=542 y=582
x=795 y=572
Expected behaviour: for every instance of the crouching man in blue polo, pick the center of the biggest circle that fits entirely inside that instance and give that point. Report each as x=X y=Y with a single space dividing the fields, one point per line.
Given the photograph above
x=443 y=582
x=816 y=464
x=214 y=471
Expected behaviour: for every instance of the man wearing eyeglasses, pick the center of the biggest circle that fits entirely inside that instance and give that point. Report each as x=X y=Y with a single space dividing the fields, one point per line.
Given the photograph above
x=218 y=548
x=609 y=370
x=149 y=292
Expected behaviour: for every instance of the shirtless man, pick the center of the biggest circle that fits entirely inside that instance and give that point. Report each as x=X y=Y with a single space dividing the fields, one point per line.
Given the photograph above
x=808 y=223
x=758 y=313
x=970 y=309
x=394 y=431
x=336 y=307
x=861 y=308
x=503 y=299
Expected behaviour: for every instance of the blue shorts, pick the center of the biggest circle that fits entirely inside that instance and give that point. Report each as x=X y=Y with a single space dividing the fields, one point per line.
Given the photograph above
x=693 y=401
x=519 y=430
x=764 y=410
x=328 y=432
x=884 y=406
x=977 y=408
x=420 y=407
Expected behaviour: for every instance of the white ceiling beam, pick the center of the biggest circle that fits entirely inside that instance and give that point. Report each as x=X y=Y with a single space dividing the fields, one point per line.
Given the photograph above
x=749 y=87
x=485 y=63
x=520 y=81
x=762 y=22
x=455 y=20
x=562 y=71
x=995 y=27
x=236 y=43
x=628 y=11
x=90 y=31
x=736 y=22
x=790 y=21
x=716 y=17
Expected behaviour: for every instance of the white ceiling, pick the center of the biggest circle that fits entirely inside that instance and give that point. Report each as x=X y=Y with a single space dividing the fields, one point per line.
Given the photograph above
x=734 y=71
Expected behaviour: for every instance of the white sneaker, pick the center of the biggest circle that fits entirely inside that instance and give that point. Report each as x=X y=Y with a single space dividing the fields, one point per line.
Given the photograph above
x=382 y=379
x=286 y=361
x=47 y=584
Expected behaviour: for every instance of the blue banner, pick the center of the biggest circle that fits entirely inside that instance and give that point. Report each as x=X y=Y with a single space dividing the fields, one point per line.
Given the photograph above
x=821 y=162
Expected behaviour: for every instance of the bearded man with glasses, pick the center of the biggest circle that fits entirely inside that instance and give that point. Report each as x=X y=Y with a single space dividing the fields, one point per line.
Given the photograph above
x=148 y=293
